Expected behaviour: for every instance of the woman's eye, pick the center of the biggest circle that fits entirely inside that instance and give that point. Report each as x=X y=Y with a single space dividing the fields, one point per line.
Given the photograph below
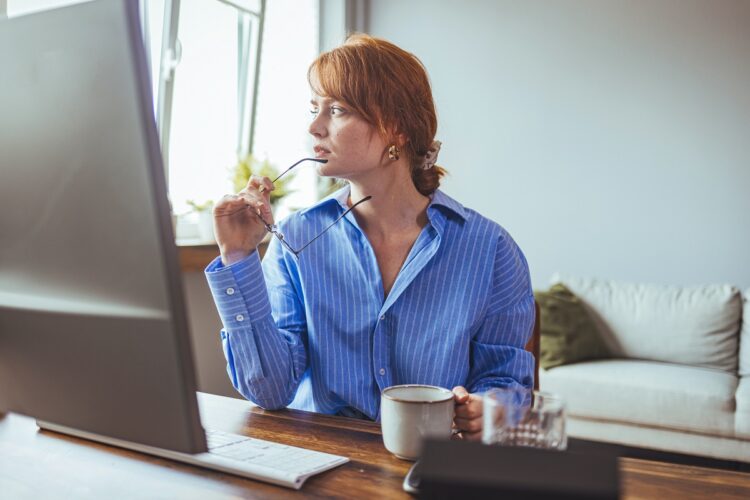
x=332 y=110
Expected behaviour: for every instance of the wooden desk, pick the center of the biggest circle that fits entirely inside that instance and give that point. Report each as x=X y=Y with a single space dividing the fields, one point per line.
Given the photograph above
x=40 y=464
x=195 y=258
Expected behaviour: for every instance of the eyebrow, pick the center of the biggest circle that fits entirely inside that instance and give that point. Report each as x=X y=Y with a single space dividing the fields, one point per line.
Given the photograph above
x=325 y=100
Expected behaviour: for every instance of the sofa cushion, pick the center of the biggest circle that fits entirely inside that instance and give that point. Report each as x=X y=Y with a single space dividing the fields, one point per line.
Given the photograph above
x=567 y=333
x=745 y=337
x=697 y=325
x=650 y=393
x=641 y=436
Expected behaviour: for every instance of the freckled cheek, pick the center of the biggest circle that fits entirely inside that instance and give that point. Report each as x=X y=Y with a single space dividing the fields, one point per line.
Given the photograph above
x=346 y=141
x=354 y=144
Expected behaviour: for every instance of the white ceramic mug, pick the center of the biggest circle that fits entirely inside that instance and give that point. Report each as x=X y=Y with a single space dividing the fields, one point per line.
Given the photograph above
x=411 y=413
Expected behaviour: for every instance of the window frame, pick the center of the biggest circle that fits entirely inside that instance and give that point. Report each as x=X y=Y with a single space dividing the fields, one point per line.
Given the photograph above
x=250 y=23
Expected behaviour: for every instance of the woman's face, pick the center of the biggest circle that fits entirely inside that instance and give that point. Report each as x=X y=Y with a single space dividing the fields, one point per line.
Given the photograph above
x=351 y=145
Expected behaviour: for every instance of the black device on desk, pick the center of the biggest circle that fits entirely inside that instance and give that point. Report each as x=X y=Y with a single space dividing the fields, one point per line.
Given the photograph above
x=460 y=469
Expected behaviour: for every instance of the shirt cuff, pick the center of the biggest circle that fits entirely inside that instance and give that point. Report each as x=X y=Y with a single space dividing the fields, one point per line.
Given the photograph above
x=239 y=291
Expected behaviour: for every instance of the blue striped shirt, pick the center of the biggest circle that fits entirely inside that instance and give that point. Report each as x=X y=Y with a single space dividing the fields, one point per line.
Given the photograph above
x=317 y=333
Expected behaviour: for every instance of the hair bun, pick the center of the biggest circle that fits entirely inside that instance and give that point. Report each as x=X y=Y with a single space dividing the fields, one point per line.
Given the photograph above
x=430 y=158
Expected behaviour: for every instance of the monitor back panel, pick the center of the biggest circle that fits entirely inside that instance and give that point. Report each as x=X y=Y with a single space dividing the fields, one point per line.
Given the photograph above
x=93 y=332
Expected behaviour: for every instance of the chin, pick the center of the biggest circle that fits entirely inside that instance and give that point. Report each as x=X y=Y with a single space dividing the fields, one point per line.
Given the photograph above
x=323 y=170
x=330 y=170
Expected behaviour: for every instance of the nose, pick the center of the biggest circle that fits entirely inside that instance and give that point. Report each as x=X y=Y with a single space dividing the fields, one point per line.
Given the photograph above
x=317 y=127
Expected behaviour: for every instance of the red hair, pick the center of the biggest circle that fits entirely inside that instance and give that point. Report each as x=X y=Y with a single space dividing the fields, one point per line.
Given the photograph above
x=389 y=88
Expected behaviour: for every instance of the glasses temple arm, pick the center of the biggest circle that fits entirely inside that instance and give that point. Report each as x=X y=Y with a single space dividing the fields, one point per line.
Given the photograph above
x=319 y=160
x=333 y=223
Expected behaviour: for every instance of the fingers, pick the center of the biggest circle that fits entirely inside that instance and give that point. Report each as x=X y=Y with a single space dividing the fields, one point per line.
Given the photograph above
x=232 y=204
x=258 y=204
x=470 y=409
x=467 y=405
x=468 y=424
x=228 y=204
x=470 y=436
x=262 y=184
x=259 y=188
x=460 y=395
x=468 y=419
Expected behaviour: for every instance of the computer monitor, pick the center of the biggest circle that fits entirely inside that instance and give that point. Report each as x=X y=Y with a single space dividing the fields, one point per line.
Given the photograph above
x=93 y=330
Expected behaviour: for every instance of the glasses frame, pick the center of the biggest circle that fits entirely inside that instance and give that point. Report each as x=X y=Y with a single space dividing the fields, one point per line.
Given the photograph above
x=273 y=228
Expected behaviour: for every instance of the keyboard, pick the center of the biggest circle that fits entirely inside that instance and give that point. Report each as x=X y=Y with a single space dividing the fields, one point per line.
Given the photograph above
x=257 y=459
x=267 y=461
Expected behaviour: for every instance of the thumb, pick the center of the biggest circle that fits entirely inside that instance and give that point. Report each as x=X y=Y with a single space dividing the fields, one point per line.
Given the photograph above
x=460 y=394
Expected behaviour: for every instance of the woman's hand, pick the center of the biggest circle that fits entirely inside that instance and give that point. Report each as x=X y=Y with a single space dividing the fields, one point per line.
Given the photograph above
x=237 y=219
x=468 y=420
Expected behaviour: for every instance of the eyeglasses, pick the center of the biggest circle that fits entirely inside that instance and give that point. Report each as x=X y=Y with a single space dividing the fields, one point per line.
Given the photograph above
x=273 y=228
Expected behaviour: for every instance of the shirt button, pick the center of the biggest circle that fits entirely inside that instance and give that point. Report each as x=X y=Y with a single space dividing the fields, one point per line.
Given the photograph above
x=382 y=371
x=230 y=291
x=382 y=318
x=240 y=317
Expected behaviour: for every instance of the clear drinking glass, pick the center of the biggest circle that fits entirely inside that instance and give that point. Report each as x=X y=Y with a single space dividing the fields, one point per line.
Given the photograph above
x=521 y=417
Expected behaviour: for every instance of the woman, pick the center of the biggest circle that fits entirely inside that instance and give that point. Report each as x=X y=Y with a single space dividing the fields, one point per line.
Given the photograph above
x=410 y=287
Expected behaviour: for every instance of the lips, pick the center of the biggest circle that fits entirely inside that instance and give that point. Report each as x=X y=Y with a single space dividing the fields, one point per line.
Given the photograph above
x=320 y=151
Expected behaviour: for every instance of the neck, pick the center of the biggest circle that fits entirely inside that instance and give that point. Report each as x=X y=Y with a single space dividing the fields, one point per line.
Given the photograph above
x=396 y=205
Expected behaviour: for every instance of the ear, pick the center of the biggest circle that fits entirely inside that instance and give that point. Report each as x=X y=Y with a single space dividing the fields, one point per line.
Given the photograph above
x=399 y=140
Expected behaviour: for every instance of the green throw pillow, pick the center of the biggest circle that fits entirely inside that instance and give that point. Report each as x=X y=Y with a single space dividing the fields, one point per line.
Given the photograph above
x=568 y=335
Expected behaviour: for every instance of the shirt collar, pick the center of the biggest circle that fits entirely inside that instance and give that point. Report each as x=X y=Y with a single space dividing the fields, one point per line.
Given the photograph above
x=441 y=199
x=438 y=199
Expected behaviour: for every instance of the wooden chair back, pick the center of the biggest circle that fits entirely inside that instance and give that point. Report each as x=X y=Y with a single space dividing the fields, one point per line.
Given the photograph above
x=533 y=345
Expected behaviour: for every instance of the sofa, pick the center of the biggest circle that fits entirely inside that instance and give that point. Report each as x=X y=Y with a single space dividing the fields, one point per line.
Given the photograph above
x=678 y=379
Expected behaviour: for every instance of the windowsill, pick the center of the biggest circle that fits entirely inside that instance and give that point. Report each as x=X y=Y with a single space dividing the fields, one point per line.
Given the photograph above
x=196 y=254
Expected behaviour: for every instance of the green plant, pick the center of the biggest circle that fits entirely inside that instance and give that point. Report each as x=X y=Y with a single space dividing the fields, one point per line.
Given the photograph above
x=200 y=207
x=249 y=166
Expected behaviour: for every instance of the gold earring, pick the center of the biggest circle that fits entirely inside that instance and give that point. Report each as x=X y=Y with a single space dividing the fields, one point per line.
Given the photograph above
x=393 y=152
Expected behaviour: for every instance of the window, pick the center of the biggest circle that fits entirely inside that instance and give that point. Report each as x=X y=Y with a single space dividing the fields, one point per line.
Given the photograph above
x=215 y=50
x=205 y=132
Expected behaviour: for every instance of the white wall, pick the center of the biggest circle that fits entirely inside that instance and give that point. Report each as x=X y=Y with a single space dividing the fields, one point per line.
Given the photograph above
x=611 y=138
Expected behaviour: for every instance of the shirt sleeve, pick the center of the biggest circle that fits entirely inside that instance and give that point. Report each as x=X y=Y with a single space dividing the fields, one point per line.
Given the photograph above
x=498 y=355
x=264 y=335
